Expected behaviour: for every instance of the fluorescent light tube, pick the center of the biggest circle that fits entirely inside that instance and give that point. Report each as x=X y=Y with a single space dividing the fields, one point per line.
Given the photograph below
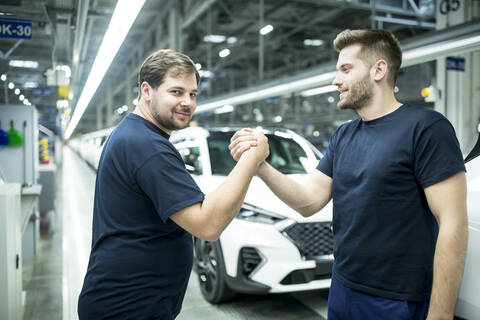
x=23 y=64
x=224 y=53
x=320 y=90
x=267 y=29
x=123 y=17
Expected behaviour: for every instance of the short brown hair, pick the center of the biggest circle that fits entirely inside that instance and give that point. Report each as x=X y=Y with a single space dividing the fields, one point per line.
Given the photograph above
x=375 y=45
x=165 y=61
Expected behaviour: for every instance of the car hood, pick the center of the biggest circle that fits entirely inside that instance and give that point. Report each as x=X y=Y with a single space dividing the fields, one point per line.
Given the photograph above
x=259 y=195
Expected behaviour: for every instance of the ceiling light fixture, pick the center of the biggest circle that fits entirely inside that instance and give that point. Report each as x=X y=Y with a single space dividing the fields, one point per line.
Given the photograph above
x=313 y=42
x=205 y=73
x=23 y=64
x=224 y=53
x=267 y=29
x=124 y=15
x=225 y=109
x=232 y=40
x=320 y=90
x=214 y=38
x=30 y=84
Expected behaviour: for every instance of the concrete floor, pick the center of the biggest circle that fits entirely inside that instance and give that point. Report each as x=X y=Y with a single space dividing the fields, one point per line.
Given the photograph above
x=53 y=280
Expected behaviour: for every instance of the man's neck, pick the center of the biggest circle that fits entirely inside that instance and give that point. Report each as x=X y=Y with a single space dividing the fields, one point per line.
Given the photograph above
x=382 y=103
x=143 y=110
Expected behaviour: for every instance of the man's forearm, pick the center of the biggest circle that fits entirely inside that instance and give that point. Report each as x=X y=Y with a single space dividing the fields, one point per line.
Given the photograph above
x=224 y=203
x=448 y=269
x=298 y=197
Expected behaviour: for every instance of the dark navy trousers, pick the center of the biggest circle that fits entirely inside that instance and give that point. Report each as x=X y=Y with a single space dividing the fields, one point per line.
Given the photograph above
x=348 y=304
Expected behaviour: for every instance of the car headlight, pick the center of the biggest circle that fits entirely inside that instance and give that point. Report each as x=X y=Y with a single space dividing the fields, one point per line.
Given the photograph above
x=255 y=214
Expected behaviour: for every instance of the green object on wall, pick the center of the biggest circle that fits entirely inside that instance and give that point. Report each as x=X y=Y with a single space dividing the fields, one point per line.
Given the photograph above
x=15 y=138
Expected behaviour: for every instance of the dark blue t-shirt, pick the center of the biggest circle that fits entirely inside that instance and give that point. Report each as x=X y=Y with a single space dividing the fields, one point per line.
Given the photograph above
x=140 y=260
x=384 y=231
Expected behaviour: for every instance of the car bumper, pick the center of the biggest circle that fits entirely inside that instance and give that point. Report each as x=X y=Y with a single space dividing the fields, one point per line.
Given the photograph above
x=276 y=263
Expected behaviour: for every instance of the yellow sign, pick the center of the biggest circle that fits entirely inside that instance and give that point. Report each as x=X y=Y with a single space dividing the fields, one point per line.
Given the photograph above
x=63 y=92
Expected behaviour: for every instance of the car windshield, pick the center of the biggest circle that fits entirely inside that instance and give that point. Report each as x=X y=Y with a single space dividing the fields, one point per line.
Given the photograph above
x=286 y=155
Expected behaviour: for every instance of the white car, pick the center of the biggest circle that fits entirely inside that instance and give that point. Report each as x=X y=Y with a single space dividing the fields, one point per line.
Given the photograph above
x=268 y=247
x=90 y=145
x=468 y=304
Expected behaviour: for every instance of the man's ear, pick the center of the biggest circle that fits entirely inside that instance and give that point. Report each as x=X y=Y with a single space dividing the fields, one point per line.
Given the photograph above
x=380 y=70
x=145 y=91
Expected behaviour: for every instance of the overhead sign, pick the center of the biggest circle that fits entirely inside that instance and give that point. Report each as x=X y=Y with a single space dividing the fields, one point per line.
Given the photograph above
x=10 y=28
x=42 y=92
x=456 y=63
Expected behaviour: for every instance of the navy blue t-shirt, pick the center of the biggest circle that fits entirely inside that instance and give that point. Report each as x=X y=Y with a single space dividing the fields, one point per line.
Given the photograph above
x=141 y=260
x=384 y=231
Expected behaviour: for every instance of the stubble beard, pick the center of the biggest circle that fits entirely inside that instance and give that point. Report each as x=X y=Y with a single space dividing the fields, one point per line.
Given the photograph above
x=167 y=122
x=359 y=95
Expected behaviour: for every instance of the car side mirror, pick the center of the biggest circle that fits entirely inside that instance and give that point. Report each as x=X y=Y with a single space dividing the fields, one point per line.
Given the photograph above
x=476 y=149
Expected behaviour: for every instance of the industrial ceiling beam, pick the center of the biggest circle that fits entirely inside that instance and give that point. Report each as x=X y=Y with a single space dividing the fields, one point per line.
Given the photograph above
x=458 y=39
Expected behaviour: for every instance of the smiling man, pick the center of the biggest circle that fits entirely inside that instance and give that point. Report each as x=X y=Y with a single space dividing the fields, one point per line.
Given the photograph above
x=147 y=206
x=397 y=180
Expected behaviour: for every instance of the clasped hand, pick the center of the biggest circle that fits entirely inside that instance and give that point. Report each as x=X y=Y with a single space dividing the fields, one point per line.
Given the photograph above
x=249 y=139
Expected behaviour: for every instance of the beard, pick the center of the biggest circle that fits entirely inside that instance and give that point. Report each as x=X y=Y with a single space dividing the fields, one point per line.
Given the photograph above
x=358 y=96
x=167 y=121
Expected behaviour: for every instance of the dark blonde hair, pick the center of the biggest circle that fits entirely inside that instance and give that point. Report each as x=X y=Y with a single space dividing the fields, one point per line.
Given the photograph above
x=165 y=61
x=375 y=45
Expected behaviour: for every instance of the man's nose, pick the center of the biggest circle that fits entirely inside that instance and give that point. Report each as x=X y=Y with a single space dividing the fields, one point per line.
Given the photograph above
x=187 y=100
x=336 y=81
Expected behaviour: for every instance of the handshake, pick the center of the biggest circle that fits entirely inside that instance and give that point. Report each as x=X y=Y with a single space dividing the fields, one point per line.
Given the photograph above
x=249 y=142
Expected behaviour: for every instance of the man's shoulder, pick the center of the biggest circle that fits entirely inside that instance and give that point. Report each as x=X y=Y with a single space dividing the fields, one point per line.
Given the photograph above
x=422 y=114
x=347 y=125
x=135 y=138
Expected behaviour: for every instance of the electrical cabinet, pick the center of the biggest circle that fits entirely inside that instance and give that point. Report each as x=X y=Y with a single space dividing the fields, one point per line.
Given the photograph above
x=11 y=302
x=19 y=164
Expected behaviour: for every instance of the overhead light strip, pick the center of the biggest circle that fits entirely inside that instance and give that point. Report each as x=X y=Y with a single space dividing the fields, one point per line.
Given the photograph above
x=269 y=92
x=410 y=57
x=320 y=90
x=432 y=52
x=123 y=17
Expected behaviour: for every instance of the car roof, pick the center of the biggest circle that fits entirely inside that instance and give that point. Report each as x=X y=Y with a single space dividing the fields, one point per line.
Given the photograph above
x=206 y=131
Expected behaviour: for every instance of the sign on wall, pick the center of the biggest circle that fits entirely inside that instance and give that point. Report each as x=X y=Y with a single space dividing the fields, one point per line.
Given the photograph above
x=10 y=28
x=456 y=63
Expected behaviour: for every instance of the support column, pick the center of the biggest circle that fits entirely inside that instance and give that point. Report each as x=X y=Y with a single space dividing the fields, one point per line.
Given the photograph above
x=174 y=30
x=458 y=85
x=261 y=22
x=5 y=87
x=99 y=117
x=129 y=93
x=109 y=108
x=209 y=51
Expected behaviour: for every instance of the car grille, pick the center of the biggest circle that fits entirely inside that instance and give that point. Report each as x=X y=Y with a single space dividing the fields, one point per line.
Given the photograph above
x=312 y=239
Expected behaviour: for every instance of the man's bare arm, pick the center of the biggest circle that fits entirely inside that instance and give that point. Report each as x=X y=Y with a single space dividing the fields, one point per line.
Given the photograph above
x=447 y=201
x=208 y=219
x=306 y=199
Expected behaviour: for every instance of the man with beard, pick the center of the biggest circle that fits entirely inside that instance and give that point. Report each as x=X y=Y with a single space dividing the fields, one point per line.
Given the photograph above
x=147 y=206
x=397 y=180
